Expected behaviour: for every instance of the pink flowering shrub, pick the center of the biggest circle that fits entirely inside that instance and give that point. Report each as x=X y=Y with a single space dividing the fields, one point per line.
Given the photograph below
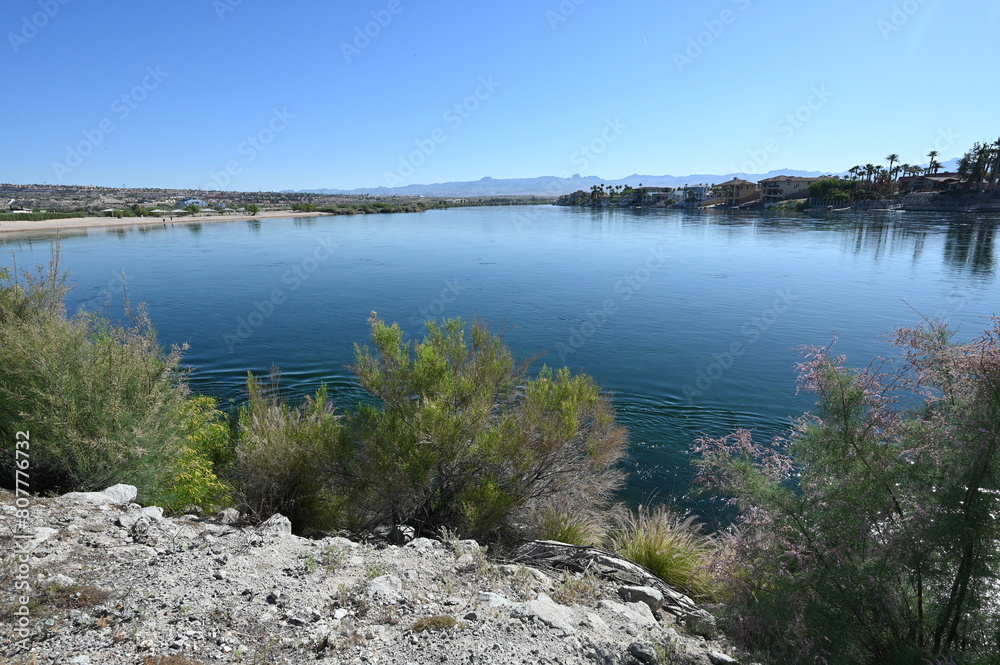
x=869 y=534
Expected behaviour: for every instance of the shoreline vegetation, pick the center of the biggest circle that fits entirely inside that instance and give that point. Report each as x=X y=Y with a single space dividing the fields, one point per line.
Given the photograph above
x=973 y=187
x=864 y=535
x=43 y=209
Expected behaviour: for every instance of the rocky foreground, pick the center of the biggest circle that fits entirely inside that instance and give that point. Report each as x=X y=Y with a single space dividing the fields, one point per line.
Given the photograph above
x=93 y=578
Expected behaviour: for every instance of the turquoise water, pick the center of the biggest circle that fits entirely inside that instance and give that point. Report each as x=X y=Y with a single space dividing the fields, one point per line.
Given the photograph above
x=690 y=320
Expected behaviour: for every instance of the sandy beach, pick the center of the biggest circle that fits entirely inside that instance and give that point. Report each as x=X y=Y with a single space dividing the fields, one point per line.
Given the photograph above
x=83 y=223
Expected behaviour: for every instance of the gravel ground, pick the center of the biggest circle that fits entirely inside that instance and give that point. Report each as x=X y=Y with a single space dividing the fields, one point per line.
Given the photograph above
x=96 y=579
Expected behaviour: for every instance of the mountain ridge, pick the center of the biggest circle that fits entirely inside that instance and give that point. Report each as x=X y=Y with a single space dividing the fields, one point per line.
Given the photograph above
x=557 y=186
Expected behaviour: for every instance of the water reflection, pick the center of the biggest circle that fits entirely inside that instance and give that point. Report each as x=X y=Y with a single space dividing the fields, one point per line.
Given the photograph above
x=969 y=248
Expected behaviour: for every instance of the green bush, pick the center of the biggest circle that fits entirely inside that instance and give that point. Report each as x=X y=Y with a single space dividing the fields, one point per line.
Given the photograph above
x=207 y=452
x=869 y=535
x=461 y=438
x=281 y=462
x=103 y=403
x=672 y=547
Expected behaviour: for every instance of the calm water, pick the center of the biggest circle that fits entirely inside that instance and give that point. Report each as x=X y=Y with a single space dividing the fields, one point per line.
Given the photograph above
x=690 y=319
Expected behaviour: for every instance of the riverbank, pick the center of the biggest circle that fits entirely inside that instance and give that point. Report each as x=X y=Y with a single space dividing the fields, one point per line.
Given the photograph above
x=99 y=222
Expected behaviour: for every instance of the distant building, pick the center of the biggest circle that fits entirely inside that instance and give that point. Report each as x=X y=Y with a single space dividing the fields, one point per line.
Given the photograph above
x=654 y=195
x=696 y=195
x=184 y=203
x=933 y=182
x=784 y=187
x=738 y=191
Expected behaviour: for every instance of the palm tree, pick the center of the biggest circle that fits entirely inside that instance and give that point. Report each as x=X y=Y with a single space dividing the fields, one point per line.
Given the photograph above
x=891 y=158
x=995 y=181
x=933 y=156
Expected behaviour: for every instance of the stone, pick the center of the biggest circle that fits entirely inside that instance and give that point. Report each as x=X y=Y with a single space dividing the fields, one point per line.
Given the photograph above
x=546 y=611
x=228 y=516
x=60 y=579
x=120 y=495
x=642 y=652
x=135 y=520
x=701 y=623
x=494 y=599
x=80 y=660
x=642 y=609
x=720 y=658
x=642 y=594
x=277 y=525
x=467 y=563
x=116 y=495
x=387 y=588
x=424 y=544
x=628 y=613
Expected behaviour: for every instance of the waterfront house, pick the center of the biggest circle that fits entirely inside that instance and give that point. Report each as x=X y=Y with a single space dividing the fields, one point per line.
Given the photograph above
x=738 y=191
x=782 y=187
x=934 y=182
x=655 y=195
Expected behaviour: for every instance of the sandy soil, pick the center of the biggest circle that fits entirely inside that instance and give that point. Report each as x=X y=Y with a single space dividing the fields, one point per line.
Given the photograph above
x=81 y=223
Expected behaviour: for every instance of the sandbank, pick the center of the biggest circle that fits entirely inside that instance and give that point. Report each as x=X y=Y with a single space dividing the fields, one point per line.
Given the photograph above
x=80 y=223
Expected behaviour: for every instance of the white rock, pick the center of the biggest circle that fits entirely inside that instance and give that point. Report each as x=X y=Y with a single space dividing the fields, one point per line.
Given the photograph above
x=60 y=579
x=228 y=516
x=628 y=613
x=494 y=600
x=546 y=611
x=387 y=588
x=120 y=495
x=424 y=544
x=277 y=524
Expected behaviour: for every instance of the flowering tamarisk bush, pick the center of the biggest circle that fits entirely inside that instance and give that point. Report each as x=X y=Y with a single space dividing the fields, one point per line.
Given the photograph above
x=869 y=534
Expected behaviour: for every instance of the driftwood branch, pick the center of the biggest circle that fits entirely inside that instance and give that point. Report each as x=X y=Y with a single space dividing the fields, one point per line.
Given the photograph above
x=556 y=555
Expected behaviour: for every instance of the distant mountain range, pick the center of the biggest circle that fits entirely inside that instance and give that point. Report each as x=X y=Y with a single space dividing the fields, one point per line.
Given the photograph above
x=555 y=186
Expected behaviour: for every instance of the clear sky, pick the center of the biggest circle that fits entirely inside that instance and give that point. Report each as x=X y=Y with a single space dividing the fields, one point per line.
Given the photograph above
x=255 y=95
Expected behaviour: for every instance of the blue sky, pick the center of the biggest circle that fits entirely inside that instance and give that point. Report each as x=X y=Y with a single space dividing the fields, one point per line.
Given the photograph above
x=253 y=95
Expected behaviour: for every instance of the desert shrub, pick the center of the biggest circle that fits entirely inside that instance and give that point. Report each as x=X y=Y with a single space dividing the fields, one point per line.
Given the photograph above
x=672 y=547
x=104 y=398
x=868 y=535
x=434 y=623
x=207 y=453
x=27 y=295
x=103 y=402
x=460 y=437
x=281 y=456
